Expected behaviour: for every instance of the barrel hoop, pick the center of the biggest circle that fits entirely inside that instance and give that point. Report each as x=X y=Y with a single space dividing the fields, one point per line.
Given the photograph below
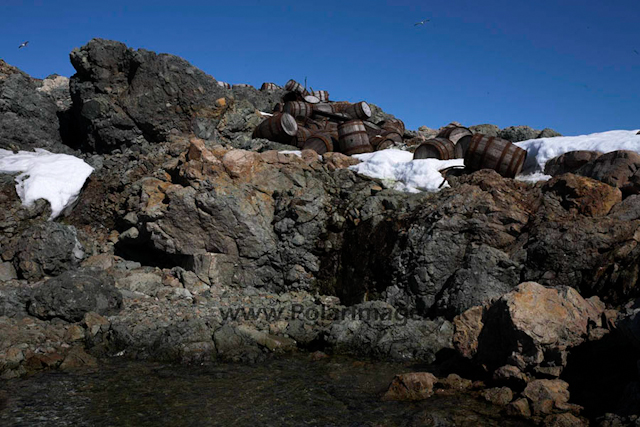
x=353 y=133
x=502 y=156
x=516 y=166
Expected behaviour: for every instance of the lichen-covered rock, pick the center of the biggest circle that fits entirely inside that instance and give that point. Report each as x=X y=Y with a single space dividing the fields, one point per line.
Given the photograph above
x=587 y=196
x=531 y=327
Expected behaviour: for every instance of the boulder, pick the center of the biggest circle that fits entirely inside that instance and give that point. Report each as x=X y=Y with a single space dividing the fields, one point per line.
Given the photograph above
x=73 y=294
x=123 y=97
x=48 y=248
x=587 y=196
x=518 y=133
x=615 y=168
x=570 y=162
x=498 y=395
x=546 y=395
x=485 y=129
x=411 y=386
x=531 y=327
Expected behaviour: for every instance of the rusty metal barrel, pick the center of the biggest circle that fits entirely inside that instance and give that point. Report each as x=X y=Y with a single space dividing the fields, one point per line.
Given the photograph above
x=268 y=87
x=294 y=86
x=322 y=95
x=393 y=124
x=320 y=142
x=224 y=85
x=489 y=152
x=353 y=138
x=302 y=135
x=460 y=136
x=359 y=110
x=436 y=148
x=298 y=108
x=281 y=127
x=241 y=85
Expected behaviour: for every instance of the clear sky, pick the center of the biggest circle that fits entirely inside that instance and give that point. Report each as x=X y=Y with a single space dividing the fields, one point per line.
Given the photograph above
x=566 y=64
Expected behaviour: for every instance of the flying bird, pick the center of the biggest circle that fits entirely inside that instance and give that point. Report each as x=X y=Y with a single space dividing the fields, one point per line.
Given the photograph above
x=23 y=44
x=421 y=22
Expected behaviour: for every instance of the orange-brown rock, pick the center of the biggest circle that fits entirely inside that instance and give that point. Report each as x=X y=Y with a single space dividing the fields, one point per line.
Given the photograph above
x=584 y=195
x=411 y=386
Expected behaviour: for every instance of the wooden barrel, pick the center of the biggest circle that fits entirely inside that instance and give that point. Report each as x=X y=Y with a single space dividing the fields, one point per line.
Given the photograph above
x=352 y=138
x=241 y=85
x=320 y=142
x=322 y=95
x=224 y=85
x=268 y=87
x=309 y=123
x=373 y=129
x=393 y=124
x=302 y=135
x=386 y=139
x=294 y=86
x=298 y=108
x=359 y=110
x=281 y=127
x=435 y=148
x=278 y=107
x=489 y=152
x=311 y=99
x=324 y=107
x=292 y=96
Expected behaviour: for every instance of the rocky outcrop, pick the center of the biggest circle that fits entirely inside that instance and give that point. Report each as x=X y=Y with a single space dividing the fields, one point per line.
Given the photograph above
x=122 y=97
x=513 y=133
x=617 y=168
x=28 y=117
x=73 y=294
x=531 y=328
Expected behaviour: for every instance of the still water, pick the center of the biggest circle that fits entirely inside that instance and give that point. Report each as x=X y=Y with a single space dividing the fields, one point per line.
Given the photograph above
x=292 y=391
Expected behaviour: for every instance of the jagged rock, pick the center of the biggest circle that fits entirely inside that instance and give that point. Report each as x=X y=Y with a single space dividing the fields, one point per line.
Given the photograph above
x=28 y=117
x=519 y=408
x=614 y=168
x=411 y=386
x=564 y=420
x=570 y=162
x=546 y=395
x=486 y=129
x=549 y=133
x=49 y=248
x=7 y=272
x=587 y=196
x=531 y=327
x=123 y=97
x=73 y=294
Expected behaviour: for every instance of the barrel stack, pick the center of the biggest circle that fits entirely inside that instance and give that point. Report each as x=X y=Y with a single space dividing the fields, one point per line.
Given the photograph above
x=323 y=125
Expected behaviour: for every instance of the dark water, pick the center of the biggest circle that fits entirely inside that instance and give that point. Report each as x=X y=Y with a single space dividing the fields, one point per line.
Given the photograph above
x=280 y=392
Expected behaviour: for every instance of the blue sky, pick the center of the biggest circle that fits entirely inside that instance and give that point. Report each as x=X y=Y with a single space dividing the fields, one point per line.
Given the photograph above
x=565 y=64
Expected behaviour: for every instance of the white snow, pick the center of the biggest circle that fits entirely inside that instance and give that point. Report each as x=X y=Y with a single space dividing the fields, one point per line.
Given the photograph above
x=539 y=151
x=57 y=178
x=406 y=174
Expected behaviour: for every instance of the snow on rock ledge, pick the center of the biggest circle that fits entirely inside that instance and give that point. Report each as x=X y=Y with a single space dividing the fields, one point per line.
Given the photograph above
x=57 y=178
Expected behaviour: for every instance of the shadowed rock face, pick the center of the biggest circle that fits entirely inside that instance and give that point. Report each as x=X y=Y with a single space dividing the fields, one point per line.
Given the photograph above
x=122 y=96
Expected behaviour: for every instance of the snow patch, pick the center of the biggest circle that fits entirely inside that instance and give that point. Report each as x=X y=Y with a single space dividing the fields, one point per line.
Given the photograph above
x=57 y=178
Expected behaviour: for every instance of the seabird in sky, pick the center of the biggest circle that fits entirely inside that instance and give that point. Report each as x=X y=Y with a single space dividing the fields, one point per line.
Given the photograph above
x=23 y=44
x=422 y=22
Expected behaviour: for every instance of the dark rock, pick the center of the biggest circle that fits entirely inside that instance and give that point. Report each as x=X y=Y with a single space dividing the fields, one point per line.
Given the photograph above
x=123 y=97
x=28 y=117
x=545 y=395
x=73 y=294
x=614 y=168
x=47 y=249
x=549 y=133
x=570 y=162
x=7 y=272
